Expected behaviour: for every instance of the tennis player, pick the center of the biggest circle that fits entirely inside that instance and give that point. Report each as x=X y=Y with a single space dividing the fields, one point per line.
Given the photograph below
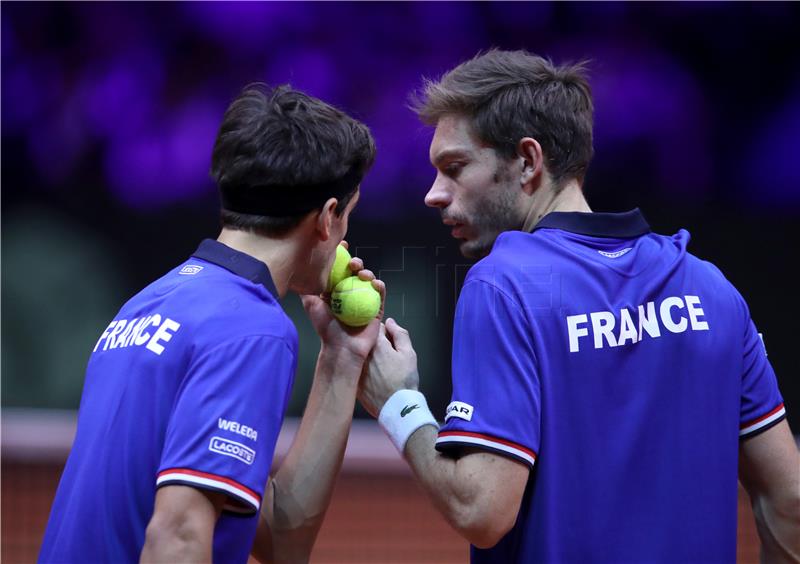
x=186 y=388
x=607 y=384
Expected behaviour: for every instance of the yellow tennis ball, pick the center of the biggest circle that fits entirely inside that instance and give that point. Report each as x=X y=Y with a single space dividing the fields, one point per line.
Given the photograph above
x=340 y=269
x=355 y=302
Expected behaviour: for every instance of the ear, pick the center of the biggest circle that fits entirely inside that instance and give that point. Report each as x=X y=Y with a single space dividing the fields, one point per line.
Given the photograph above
x=325 y=219
x=530 y=151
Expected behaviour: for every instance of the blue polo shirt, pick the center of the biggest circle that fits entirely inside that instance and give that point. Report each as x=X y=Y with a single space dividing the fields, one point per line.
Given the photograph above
x=187 y=385
x=624 y=372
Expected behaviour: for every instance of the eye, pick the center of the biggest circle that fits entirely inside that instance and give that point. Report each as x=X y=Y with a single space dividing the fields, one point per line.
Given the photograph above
x=453 y=169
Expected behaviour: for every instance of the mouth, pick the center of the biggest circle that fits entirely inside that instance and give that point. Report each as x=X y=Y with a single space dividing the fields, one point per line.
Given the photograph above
x=458 y=228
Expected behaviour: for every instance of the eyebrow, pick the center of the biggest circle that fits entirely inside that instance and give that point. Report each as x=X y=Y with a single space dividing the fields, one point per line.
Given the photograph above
x=449 y=154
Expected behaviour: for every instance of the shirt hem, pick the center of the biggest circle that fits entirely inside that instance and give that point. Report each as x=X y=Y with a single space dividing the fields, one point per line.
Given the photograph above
x=245 y=500
x=449 y=440
x=762 y=423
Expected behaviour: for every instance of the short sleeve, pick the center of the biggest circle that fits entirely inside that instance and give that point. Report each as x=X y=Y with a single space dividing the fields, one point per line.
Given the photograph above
x=226 y=418
x=761 y=404
x=496 y=394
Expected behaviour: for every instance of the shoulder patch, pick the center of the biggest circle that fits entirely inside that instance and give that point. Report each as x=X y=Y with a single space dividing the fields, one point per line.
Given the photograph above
x=190 y=269
x=459 y=409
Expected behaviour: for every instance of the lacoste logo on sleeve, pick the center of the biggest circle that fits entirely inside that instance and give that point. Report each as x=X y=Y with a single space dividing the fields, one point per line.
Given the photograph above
x=408 y=409
x=233 y=449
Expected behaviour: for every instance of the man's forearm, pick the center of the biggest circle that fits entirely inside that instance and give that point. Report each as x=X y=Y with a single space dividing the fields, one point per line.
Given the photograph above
x=778 y=529
x=478 y=493
x=778 y=534
x=454 y=486
x=302 y=487
x=769 y=469
x=436 y=474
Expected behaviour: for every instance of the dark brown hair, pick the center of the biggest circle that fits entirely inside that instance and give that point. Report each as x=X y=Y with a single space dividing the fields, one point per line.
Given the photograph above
x=284 y=139
x=509 y=95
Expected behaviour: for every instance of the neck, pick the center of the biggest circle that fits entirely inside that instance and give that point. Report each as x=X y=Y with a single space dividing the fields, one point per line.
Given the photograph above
x=280 y=255
x=546 y=199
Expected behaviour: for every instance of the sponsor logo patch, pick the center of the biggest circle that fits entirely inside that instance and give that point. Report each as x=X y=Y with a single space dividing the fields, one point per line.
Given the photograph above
x=616 y=254
x=236 y=427
x=459 y=409
x=232 y=449
x=190 y=269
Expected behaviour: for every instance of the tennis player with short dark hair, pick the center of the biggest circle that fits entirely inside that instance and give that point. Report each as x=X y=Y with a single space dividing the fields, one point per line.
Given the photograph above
x=186 y=389
x=607 y=384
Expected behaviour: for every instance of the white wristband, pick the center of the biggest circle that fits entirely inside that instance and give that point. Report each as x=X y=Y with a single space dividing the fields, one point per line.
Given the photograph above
x=402 y=414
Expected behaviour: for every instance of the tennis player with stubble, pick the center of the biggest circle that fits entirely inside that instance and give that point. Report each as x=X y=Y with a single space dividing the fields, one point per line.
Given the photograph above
x=608 y=386
x=186 y=389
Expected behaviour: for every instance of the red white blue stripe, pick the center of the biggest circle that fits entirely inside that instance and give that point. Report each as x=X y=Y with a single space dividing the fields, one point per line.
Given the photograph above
x=236 y=490
x=487 y=441
x=763 y=421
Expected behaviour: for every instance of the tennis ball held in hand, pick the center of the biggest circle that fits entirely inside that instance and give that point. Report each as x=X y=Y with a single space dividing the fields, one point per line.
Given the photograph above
x=340 y=269
x=355 y=302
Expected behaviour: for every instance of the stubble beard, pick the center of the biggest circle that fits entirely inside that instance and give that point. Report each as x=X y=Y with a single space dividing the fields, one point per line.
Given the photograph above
x=498 y=213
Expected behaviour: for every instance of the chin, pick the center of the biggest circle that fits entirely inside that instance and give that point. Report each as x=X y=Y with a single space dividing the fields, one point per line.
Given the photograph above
x=473 y=250
x=476 y=248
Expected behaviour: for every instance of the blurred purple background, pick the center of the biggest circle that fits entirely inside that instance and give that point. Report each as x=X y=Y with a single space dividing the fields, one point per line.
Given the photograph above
x=705 y=98
x=109 y=112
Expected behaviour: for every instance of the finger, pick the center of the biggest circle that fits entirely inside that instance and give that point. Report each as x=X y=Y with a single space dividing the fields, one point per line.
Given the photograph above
x=383 y=344
x=356 y=264
x=366 y=274
x=345 y=244
x=381 y=289
x=400 y=336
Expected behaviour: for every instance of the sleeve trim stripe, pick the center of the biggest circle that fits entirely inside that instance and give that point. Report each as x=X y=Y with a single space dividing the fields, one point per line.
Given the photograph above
x=776 y=413
x=488 y=438
x=242 y=509
x=227 y=485
x=760 y=430
x=477 y=439
x=211 y=477
x=445 y=446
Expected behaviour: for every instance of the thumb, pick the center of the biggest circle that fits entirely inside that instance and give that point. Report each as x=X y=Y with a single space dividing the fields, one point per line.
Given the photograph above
x=399 y=336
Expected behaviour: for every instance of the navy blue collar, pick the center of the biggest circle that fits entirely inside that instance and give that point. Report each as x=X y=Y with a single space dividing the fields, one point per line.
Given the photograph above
x=237 y=262
x=626 y=225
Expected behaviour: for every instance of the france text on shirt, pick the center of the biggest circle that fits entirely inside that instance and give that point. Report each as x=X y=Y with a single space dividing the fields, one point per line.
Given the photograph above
x=603 y=323
x=122 y=333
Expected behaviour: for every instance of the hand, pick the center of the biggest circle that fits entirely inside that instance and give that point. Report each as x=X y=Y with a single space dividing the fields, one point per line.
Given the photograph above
x=337 y=337
x=392 y=366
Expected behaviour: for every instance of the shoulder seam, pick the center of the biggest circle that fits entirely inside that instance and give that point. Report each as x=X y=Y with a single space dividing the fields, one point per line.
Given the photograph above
x=497 y=289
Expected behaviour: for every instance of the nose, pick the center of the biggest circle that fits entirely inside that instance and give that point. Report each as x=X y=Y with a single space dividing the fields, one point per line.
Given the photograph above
x=438 y=196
